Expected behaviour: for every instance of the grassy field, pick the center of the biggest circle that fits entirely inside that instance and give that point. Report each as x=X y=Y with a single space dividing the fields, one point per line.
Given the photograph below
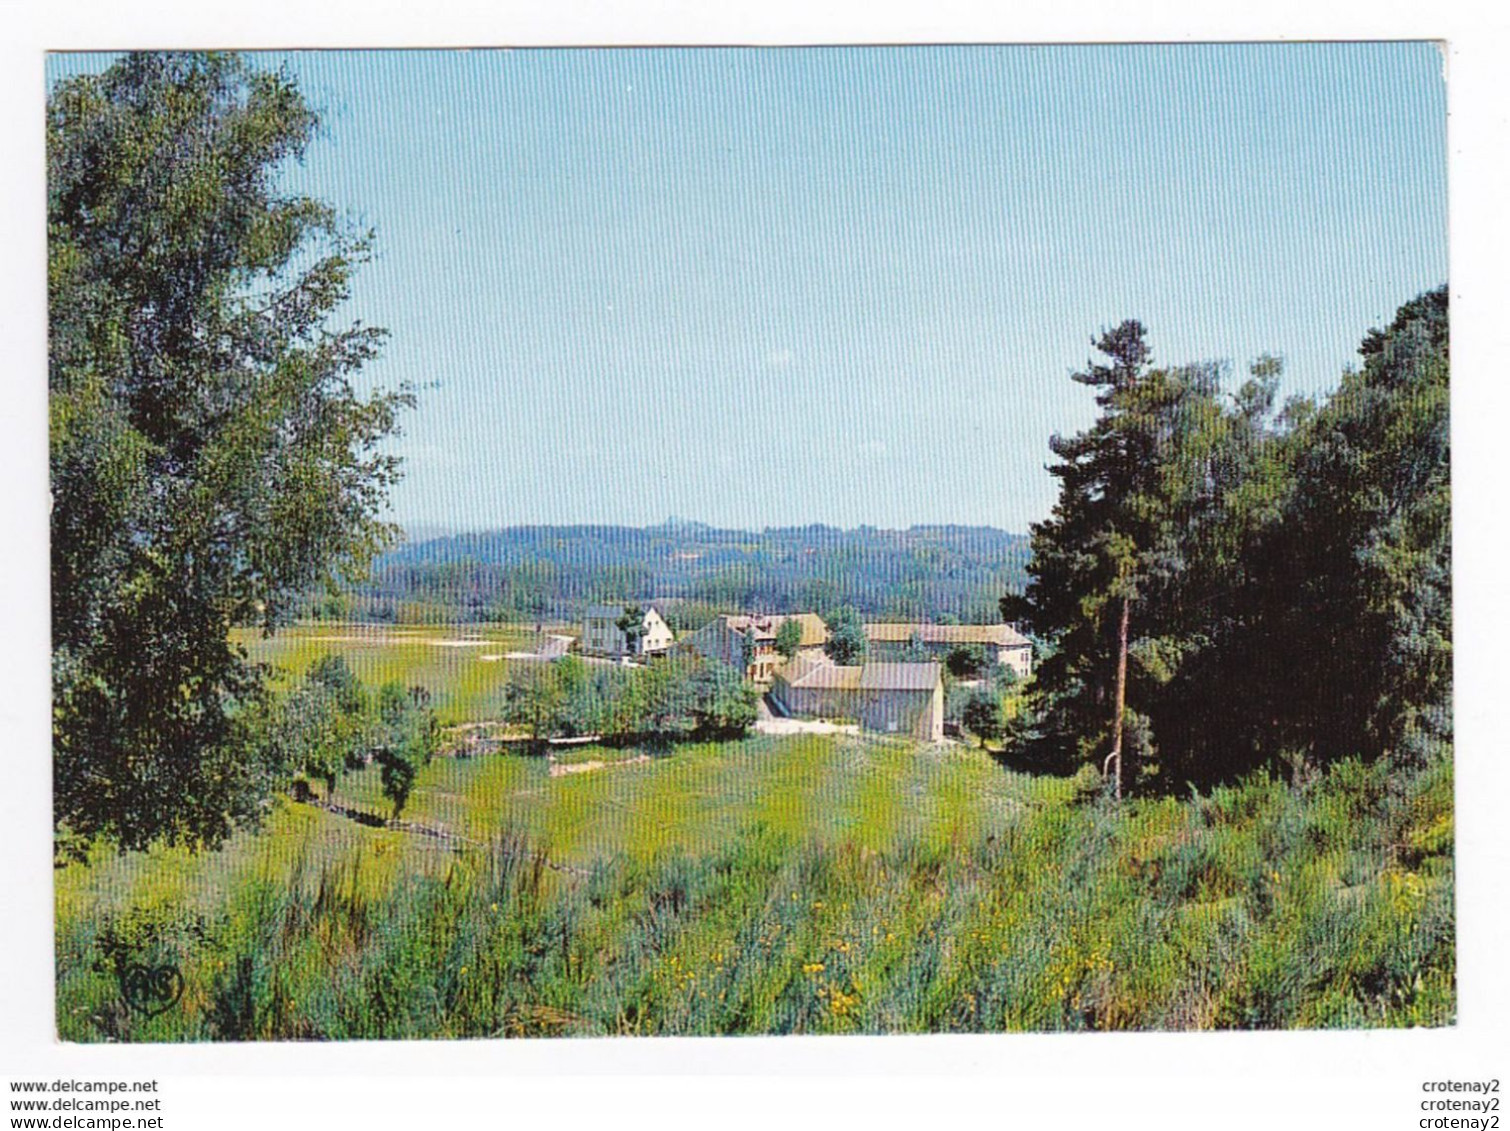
x=799 y=884
x=875 y=793
x=463 y=667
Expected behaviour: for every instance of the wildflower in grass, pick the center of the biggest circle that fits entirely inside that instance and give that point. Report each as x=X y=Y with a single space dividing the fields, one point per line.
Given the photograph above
x=840 y=1003
x=812 y=968
x=1405 y=890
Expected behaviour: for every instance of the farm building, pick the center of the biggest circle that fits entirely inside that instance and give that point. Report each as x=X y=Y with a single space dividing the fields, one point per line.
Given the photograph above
x=1005 y=644
x=602 y=636
x=749 y=642
x=884 y=697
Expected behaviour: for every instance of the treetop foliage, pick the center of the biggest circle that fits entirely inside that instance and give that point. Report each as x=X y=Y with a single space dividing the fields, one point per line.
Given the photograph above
x=679 y=697
x=211 y=459
x=789 y=638
x=1287 y=574
x=847 y=642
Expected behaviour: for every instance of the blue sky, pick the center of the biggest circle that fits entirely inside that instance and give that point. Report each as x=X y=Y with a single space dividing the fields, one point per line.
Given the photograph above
x=777 y=286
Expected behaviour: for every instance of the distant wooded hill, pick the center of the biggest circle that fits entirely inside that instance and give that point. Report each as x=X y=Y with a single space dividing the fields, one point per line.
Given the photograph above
x=551 y=572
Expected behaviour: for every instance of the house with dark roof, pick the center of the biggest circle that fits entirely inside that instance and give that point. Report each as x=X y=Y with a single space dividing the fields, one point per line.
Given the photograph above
x=1003 y=642
x=888 y=698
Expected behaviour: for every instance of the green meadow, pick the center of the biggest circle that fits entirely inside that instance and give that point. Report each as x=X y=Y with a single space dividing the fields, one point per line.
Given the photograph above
x=780 y=885
x=464 y=668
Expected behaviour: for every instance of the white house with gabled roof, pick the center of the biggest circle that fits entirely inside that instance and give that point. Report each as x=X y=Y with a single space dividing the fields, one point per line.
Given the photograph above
x=602 y=636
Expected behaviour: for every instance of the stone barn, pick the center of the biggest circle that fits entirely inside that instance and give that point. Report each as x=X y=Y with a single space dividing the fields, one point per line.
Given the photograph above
x=902 y=699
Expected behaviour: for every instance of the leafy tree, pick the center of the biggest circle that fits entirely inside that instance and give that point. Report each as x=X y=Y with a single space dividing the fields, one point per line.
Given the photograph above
x=1003 y=678
x=539 y=605
x=725 y=703
x=789 y=638
x=969 y=661
x=1350 y=591
x=578 y=696
x=535 y=698
x=1204 y=646
x=321 y=727
x=682 y=697
x=847 y=642
x=983 y=715
x=210 y=458
x=915 y=651
x=818 y=593
x=408 y=736
x=749 y=651
x=632 y=624
x=667 y=700
x=332 y=673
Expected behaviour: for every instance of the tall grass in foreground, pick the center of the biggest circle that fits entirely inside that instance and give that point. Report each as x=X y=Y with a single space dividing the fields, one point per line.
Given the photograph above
x=1258 y=906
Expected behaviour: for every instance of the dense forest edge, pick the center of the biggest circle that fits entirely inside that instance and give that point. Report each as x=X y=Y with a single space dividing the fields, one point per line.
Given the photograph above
x=1222 y=800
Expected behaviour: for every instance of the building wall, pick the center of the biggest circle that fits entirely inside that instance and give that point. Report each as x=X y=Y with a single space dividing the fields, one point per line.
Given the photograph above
x=1018 y=658
x=601 y=637
x=716 y=641
x=817 y=702
x=919 y=714
x=658 y=635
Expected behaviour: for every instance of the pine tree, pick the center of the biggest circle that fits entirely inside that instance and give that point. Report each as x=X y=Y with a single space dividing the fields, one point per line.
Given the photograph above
x=1106 y=563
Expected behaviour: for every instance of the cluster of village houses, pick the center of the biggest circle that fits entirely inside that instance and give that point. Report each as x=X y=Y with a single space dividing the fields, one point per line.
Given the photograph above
x=883 y=694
